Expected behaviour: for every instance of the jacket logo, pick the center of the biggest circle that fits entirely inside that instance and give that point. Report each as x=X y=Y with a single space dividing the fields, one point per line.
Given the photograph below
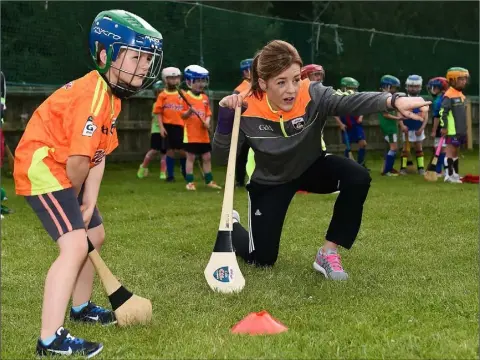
x=298 y=123
x=265 y=128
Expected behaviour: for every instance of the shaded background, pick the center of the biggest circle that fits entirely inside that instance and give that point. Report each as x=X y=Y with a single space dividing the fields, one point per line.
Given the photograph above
x=46 y=42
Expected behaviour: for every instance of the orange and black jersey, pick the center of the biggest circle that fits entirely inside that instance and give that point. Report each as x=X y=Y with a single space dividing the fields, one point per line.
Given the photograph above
x=285 y=144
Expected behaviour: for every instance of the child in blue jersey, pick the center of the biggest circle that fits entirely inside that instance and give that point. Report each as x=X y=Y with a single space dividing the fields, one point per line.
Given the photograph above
x=350 y=125
x=437 y=87
x=413 y=129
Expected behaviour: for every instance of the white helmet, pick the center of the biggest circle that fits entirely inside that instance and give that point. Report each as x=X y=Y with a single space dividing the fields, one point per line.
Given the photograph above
x=170 y=71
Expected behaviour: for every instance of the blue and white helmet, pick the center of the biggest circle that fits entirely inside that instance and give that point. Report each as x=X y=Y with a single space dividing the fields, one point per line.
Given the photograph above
x=414 y=84
x=114 y=30
x=195 y=72
x=414 y=80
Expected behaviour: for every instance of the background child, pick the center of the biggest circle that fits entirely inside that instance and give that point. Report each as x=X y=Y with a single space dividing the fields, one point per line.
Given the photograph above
x=3 y=194
x=437 y=87
x=196 y=139
x=156 y=143
x=350 y=125
x=242 y=156
x=389 y=125
x=453 y=115
x=168 y=109
x=413 y=129
x=313 y=72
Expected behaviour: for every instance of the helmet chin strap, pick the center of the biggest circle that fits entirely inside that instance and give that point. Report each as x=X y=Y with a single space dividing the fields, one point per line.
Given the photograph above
x=121 y=90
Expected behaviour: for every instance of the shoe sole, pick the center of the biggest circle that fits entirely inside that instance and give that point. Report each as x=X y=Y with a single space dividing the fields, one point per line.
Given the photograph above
x=94 y=322
x=96 y=352
x=88 y=356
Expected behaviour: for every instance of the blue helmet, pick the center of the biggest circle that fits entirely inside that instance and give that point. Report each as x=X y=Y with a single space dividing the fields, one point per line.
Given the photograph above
x=195 y=72
x=246 y=64
x=114 y=30
x=389 y=81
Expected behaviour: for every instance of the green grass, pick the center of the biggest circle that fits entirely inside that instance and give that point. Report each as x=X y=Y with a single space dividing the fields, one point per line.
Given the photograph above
x=412 y=293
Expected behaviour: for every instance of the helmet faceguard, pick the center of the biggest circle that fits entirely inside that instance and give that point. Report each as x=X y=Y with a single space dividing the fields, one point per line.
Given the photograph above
x=194 y=74
x=349 y=83
x=170 y=72
x=439 y=83
x=314 y=72
x=117 y=32
x=413 y=85
x=456 y=73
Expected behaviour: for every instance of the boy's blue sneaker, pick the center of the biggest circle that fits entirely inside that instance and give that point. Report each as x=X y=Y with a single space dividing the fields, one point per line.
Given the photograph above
x=94 y=314
x=65 y=344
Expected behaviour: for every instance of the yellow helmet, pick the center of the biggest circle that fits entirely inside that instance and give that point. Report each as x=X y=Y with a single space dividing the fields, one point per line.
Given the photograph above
x=455 y=72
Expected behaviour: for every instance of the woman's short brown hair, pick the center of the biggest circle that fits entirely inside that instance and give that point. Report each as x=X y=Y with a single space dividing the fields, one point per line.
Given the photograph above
x=275 y=57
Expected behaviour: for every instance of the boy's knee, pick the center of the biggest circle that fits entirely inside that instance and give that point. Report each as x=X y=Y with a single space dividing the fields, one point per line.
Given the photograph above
x=97 y=236
x=74 y=245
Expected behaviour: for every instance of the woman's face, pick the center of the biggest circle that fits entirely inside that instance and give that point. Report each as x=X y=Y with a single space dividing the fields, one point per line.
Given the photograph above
x=282 y=90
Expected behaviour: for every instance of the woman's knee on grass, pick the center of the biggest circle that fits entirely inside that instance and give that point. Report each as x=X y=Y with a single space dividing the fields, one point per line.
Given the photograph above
x=73 y=245
x=265 y=260
x=393 y=146
x=362 y=144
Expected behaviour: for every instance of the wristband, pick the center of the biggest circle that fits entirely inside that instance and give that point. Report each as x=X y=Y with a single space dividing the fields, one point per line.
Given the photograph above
x=394 y=99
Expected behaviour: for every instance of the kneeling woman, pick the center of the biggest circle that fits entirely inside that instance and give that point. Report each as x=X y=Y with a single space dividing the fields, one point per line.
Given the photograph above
x=283 y=120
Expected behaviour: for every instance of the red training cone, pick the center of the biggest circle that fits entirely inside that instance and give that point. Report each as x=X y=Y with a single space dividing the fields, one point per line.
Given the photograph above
x=259 y=323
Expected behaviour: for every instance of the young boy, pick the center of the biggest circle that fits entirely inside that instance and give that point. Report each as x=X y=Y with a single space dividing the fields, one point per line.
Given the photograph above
x=389 y=126
x=242 y=156
x=351 y=126
x=156 y=142
x=413 y=129
x=168 y=109
x=196 y=139
x=437 y=87
x=453 y=119
x=60 y=161
x=313 y=72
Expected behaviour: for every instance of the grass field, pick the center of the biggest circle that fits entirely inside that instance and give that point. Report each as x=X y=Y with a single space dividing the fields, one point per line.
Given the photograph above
x=412 y=292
